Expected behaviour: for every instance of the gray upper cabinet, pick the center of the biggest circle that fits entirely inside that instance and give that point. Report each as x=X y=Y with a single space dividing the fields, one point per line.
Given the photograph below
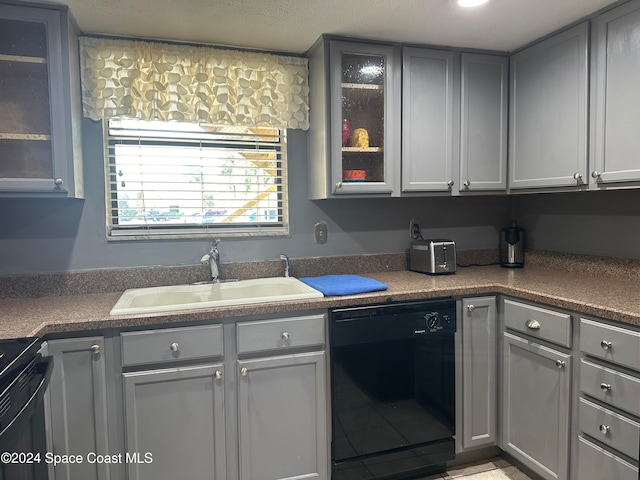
x=282 y=417
x=615 y=103
x=536 y=403
x=479 y=354
x=430 y=94
x=483 y=122
x=355 y=119
x=548 y=112
x=78 y=406
x=40 y=138
x=175 y=423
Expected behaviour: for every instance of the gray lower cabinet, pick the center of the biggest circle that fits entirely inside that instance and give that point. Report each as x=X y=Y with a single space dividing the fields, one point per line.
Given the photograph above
x=549 y=112
x=282 y=417
x=175 y=423
x=609 y=403
x=477 y=424
x=536 y=401
x=598 y=464
x=615 y=105
x=77 y=406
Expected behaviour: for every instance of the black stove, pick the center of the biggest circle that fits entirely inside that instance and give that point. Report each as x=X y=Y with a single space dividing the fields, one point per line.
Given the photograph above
x=24 y=377
x=14 y=355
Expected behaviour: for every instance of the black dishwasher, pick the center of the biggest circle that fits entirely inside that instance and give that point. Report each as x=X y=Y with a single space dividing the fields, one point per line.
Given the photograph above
x=392 y=389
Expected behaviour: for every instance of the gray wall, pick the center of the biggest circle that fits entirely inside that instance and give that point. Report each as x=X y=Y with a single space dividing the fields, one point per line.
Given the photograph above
x=594 y=223
x=69 y=235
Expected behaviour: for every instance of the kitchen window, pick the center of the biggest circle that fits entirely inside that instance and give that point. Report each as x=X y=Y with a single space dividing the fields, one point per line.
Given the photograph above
x=185 y=180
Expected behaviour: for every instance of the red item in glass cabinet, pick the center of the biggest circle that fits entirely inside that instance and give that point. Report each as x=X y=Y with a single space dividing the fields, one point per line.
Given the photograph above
x=346 y=132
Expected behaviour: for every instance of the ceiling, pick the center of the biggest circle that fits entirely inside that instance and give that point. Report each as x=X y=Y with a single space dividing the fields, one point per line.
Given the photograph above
x=293 y=25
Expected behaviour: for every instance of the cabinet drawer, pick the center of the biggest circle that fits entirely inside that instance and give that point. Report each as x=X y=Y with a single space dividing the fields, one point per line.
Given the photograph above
x=608 y=427
x=538 y=322
x=616 y=388
x=594 y=463
x=617 y=345
x=281 y=334
x=155 y=346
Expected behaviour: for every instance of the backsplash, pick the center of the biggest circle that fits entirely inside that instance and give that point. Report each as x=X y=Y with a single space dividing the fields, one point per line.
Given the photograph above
x=120 y=279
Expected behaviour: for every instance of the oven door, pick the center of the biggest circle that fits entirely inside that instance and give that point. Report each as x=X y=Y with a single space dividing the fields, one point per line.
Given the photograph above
x=22 y=432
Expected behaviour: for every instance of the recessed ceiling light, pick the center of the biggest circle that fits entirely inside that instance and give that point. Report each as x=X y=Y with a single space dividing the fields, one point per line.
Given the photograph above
x=471 y=3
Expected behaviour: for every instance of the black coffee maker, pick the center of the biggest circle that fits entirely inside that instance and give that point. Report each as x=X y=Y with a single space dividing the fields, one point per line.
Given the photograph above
x=512 y=246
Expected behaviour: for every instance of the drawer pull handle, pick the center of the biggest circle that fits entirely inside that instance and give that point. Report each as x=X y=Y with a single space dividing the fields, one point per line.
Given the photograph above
x=532 y=324
x=244 y=372
x=174 y=347
x=560 y=363
x=606 y=344
x=217 y=375
x=605 y=387
x=605 y=429
x=285 y=336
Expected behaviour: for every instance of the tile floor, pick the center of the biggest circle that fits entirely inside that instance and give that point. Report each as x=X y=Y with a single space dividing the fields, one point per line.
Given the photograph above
x=496 y=468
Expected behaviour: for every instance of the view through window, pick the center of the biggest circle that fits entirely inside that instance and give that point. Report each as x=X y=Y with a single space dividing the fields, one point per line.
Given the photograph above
x=182 y=179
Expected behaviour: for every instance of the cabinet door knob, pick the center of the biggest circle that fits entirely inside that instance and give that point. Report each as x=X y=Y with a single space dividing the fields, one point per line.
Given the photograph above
x=59 y=182
x=606 y=344
x=596 y=174
x=532 y=324
x=470 y=308
x=577 y=177
x=244 y=372
x=338 y=185
x=174 y=347
x=605 y=387
x=560 y=363
x=451 y=183
x=95 y=349
x=217 y=375
x=605 y=429
x=467 y=184
x=285 y=336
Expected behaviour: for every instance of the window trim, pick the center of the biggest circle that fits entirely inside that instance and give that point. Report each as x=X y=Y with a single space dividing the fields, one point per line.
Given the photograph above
x=204 y=231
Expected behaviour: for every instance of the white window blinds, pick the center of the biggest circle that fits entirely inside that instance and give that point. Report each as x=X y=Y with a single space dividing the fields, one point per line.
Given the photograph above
x=185 y=180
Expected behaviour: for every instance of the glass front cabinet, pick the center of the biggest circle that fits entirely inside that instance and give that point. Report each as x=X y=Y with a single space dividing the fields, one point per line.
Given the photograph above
x=40 y=141
x=355 y=119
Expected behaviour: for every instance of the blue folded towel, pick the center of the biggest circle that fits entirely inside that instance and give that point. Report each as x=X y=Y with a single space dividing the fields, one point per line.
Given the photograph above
x=344 y=284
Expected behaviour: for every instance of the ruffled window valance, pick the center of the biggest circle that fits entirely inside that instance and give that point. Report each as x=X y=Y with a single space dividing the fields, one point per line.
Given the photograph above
x=160 y=81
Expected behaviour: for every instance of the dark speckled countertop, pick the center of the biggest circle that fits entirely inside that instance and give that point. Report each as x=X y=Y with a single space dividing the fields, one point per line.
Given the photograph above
x=583 y=292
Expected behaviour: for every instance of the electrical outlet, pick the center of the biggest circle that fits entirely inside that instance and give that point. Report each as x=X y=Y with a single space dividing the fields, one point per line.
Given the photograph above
x=320 y=233
x=414 y=229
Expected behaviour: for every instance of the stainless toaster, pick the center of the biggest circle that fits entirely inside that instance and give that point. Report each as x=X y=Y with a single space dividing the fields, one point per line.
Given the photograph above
x=435 y=257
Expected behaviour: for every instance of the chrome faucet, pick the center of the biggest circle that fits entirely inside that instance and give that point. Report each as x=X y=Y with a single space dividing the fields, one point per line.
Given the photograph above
x=213 y=259
x=287 y=266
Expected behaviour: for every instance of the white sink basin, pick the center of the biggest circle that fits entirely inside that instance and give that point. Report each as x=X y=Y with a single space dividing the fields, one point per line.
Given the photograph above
x=184 y=297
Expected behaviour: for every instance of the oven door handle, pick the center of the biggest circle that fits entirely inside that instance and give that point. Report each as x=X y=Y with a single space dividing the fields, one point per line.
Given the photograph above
x=44 y=368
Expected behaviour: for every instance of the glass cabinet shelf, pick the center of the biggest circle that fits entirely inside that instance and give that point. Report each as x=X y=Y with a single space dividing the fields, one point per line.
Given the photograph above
x=362 y=150
x=21 y=58
x=24 y=136
x=361 y=86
